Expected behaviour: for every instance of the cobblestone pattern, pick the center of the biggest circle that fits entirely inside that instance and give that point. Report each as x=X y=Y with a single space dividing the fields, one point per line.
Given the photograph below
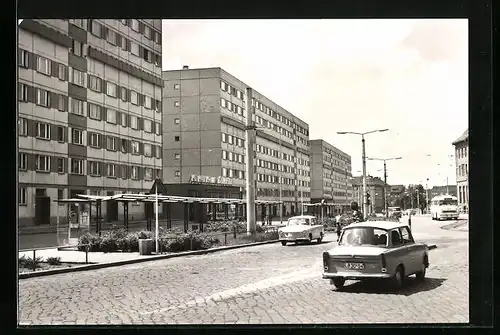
x=265 y=284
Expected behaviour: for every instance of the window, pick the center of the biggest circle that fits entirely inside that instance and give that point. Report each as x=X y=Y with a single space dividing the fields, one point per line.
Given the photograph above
x=61 y=103
x=147 y=31
x=23 y=58
x=77 y=106
x=223 y=103
x=134 y=24
x=95 y=169
x=224 y=154
x=22 y=196
x=94 y=111
x=78 y=78
x=124 y=21
x=60 y=133
x=396 y=238
x=95 y=83
x=60 y=195
x=177 y=138
x=95 y=140
x=157 y=60
x=134 y=122
x=406 y=235
x=157 y=37
x=111 y=89
x=148 y=150
x=23 y=161
x=42 y=163
x=177 y=156
x=43 y=130
x=177 y=121
x=134 y=48
x=77 y=166
x=158 y=152
x=110 y=143
x=224 y=137
x=61 y=72
x=23 y=92
x=230 y=139
x=124 y=120
x=111 y=38
x=79 y=22
x=134 y=145
x=77 y=136
x=42 y=97
x=147 y=55
x=111 y=170
x=157 y=128
x=23 y=127
x=148 y=102
x=60 y=165
x=148 y=126
x=224 y=172
x=123 y=94
x=43 y=66
x=148 y=174
x=124 y=42
x=111 y=116
x=176 y=86
x=134 y=98
x=123 y=171
x=124 y=146
x=134 y=173
x=176 y=103
x=96 y=28
x=77 y=48
x=177 y=173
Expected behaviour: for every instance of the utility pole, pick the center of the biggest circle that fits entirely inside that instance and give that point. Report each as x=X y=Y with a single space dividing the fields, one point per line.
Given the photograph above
x=418 y=199
x=250 y=188
x=411 y=196
x=280 y=181
x=365 y=200
x=346 y=177
x=385 y=189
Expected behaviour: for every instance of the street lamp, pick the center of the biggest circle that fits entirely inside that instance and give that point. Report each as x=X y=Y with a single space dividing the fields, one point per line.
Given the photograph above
x=385 y=177
x=365 y=204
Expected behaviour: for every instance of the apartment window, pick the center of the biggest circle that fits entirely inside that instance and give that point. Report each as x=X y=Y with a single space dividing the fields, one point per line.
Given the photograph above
x=134 y=25
x=133 y=122
x=23 y=92
x=95 y=83
x=134 y=48
x=224 y=137
x=43 y=130
x=124 y=21
x=148 y=174
x=124 y=146
x=176 y=86
x=95 y=140
x=123 y=172
x=147 y=55
x=23 y=60
x=77 y=136
x=158 y=152
x=111 y=89
x=77 y=166
x=134 y=98
x=94 y=111
x=124 y=120
x=111 y=116
x=157 y=128
x=111 y=38
x=80 y=23
x=96 y=28
x=230 y=156
x=42 y=97
x=110 y=143
x=148 y=150
x=77 y=48
x=177 y=173
x=230 y=139
x=148 y=126
x=23 y=161
x=148 y=102
x=134 y=147
x=23 y=127
x=224 y=172
x=157 y=37
x=224 y=154
x=157 y=60
x=123 y=94
x=95 y=169
x=42 y=163
x=61 y=72
x=77 y=106
x=177 y=138
x=111 y=170
x=134 y=173
x=177 y=121
x=60 y=165
x=124 y=42
x=60 y=134
x=177 y=156
x=223 y=103
x=61 y=103
x=22 y=196
x=176 y=103
x=43 y=66
x=147 y=32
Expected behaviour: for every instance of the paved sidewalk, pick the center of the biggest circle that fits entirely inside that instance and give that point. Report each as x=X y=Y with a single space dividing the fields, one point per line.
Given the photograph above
x=71 y=256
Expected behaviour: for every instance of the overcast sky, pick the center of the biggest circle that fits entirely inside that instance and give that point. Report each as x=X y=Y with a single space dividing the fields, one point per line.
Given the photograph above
x=410 y=76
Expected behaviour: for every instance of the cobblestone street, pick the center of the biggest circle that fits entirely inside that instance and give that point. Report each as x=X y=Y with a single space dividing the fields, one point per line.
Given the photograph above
x=264 y=284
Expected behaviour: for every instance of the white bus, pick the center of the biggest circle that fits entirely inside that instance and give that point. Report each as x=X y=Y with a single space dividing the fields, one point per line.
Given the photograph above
x=444 y=207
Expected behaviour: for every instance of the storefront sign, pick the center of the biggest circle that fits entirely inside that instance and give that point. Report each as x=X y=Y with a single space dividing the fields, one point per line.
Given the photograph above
x=197 y=179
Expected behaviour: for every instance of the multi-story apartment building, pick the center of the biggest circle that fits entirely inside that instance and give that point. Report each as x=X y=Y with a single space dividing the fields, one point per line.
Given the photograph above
x=462 y=162
x=331 y=175
x=375 y=188
x=204 y=135
x=89 y=112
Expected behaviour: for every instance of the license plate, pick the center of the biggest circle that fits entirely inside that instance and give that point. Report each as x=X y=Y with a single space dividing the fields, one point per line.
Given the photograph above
x=354 y=266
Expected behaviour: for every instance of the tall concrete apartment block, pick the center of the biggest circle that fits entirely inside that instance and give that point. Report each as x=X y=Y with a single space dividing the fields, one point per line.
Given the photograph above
x=89 y=112
x=331 y=174
x=204 y=134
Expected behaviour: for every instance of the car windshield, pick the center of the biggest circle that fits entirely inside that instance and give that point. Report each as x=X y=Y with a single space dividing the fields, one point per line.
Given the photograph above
x=447 y=202
x=298 y=222
x=364 y=236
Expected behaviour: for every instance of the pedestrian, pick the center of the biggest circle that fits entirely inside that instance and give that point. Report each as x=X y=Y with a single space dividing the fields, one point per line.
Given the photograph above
x=357 y=215
x=338 y=226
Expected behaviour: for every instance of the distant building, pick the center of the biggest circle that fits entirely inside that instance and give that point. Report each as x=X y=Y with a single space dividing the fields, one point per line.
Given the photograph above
x=441 y=190
x=462 y=162
x=374 y=187
x=394 y=194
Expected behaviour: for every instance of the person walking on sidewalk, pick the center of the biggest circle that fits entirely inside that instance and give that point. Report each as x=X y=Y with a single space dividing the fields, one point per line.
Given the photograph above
x=357 y=215
x=338 y=226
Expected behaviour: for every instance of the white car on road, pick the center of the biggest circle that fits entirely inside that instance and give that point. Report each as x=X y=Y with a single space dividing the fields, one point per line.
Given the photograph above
x=304 y=228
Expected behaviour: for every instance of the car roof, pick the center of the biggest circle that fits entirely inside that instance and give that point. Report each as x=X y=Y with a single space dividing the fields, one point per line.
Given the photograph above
x=386 y=225
x=303 y=217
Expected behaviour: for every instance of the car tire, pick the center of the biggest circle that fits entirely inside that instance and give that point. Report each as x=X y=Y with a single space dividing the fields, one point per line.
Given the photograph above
x=320 y=237
x=310 y=238
x=283 y=243
x=398 y=278
x=420 y=275
x=338 y=283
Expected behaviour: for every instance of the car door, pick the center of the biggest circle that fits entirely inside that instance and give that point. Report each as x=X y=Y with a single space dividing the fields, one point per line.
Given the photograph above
x=414 y=259
x=316 y=228
x=396 y=253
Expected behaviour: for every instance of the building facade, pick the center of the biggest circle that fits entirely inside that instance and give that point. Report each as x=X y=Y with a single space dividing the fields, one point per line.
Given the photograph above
x=89 y=112
x=394 y=194
x=462 y=162
x=330 y=176
x=375 y=188
x=204 y=135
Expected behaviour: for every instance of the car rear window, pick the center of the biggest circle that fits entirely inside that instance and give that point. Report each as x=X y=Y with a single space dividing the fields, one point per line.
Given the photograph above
x=364 y=236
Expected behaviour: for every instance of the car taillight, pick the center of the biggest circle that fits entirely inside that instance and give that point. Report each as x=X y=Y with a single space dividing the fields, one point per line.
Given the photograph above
x=326 y=258
x=382 y=259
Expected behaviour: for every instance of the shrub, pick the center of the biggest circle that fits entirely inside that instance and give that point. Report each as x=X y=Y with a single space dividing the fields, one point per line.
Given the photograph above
x=30 y=263
x=92 y=239
x=261 y=237
x=224 y=226
x=190 y=241
x=54 y=260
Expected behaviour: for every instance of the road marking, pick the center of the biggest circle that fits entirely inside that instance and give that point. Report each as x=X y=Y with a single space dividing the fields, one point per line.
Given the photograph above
x=308 y=273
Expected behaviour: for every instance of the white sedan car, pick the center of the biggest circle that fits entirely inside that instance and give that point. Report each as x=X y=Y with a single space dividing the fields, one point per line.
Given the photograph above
x=304 y=228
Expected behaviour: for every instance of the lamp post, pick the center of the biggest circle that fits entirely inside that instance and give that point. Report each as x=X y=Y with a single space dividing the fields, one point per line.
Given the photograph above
x=365 y=204
x=250 y=186
x=385 y=177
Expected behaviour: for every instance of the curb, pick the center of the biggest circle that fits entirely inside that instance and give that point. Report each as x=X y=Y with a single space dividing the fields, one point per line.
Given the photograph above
x=27 y=275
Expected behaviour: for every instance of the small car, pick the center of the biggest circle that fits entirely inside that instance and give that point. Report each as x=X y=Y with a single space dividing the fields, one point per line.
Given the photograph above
x=304 y=228
x=370 y=250
x=395 y=212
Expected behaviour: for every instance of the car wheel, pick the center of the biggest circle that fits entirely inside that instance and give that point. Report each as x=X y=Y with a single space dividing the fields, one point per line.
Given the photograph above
x=310 y=238
x=320 y=237
x=338 y=282
x=420 y=275
x=283 y=243
x=398 y=277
